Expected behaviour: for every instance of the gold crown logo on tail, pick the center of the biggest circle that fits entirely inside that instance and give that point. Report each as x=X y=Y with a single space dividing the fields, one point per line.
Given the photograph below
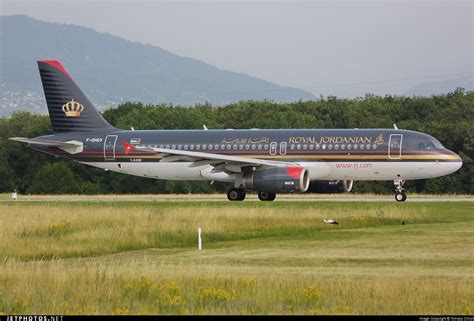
x=72 y=108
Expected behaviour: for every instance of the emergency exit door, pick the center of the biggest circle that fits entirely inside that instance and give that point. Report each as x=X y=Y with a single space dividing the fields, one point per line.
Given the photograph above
x=395 y=146
x=109 y=147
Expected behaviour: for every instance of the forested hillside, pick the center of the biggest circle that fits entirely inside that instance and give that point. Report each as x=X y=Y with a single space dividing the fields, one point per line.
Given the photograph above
x=98 y=62
x=447 y=117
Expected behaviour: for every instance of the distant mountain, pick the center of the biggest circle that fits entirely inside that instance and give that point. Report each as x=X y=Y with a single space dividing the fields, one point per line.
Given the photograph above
x=111 y=69
x=441 y=87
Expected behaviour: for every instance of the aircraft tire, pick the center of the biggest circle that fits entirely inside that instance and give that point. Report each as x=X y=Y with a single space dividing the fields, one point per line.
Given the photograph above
x=400 y=197
x=236 y=194
x=266 y=196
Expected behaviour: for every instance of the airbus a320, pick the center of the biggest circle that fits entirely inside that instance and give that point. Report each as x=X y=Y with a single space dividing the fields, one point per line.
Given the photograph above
x=266 y=161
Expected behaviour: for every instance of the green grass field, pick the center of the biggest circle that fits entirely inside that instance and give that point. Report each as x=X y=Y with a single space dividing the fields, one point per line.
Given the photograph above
x=258 y=258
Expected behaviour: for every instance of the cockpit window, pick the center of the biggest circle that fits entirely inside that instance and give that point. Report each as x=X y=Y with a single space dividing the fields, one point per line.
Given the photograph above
x=430 y=144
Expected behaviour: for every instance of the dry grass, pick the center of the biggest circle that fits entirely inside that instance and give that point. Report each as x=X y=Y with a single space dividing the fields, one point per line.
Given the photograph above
x=122 y=258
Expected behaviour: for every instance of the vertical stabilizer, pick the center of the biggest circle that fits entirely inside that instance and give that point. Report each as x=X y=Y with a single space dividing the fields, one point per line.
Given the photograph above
x=69 y=109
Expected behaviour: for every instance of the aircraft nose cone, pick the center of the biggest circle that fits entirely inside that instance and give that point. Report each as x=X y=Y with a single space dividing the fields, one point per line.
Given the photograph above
x=456 y=163
x=459 y=162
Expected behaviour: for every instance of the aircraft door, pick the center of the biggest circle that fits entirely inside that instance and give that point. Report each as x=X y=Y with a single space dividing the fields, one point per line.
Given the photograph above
x=109 y=147
x=395 y=146
x=273 y=148
x=283 y=148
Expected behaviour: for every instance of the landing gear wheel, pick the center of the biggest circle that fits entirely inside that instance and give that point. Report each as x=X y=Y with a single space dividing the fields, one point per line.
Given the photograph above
x=400 y=197
x=266 y=196
x=236 y=194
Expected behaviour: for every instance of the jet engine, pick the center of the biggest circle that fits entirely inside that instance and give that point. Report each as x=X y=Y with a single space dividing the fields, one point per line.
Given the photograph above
x=277 y=180
x=327 y=187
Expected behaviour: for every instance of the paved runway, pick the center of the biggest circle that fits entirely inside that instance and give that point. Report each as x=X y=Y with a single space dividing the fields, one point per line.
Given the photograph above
x=223 y=198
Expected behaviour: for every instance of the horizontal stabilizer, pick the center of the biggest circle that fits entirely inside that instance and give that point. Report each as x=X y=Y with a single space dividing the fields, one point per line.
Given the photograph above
x=71 y=146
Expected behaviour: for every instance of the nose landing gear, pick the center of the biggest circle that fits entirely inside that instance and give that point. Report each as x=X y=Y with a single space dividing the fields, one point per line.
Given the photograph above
x=400 y=195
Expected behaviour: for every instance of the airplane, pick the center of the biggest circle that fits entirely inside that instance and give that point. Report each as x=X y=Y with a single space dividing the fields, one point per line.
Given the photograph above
x=262 y=160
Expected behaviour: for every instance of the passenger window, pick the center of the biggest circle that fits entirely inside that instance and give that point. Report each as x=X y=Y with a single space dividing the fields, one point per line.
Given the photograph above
x=336 y=146
x=305 y=146
x=253 y=147
x=161 y=146
x=374 y=146
x=292 y=146
x=317 y=146
x=180 y=147
x=216 y=146
x=259 y=147
x=234 y=147
x=247 y=147
x=185 y=147
x=311 y=146
x=343 y=146
x=241 y=147
x=330 y=146
x=198 y=147
x=355 y=146
x=361 y=146
x=173 y=147
x=167 y=146
x=222 y=146
x=421 y=146
x=265 y=146
x=229 y=147
x=191 y=147
x=298 y=146
x=367 y=146
x=349 y=146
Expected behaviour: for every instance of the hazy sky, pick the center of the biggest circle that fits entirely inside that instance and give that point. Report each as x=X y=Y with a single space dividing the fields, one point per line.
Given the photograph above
x=332 y=47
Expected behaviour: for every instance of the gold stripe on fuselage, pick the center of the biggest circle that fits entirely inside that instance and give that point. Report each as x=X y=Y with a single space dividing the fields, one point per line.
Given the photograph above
x=345 y=157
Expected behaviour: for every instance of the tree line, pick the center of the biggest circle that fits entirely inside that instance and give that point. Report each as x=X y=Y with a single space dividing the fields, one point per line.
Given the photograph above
x=447 y=117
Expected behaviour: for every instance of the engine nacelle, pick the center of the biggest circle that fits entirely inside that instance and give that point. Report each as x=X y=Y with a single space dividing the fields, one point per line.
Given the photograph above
x=278 y=180
x=326 y=187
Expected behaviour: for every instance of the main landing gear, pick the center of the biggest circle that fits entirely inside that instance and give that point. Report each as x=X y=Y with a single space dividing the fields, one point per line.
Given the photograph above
x=400 y=195
x=266 y=196
x=236 y=194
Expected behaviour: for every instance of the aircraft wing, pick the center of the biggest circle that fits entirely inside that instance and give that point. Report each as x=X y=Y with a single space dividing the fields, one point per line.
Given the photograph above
x=72 y=146
x=220 y=162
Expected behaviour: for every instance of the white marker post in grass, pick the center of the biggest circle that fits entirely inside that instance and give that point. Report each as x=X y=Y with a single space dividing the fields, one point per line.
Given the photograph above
x=199 y=239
